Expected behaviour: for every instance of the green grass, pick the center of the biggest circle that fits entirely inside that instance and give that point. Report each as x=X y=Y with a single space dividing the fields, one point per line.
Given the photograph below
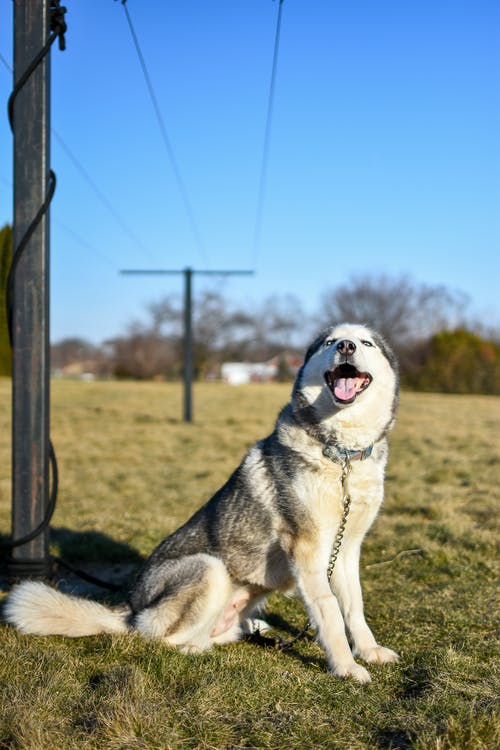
x=131 y=471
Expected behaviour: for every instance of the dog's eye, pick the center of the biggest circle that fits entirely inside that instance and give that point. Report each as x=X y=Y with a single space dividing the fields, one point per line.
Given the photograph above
x=367 y=343
x=329 y=342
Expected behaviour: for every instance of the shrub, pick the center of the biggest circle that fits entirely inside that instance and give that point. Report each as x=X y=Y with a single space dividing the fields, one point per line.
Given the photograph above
x=457 y=362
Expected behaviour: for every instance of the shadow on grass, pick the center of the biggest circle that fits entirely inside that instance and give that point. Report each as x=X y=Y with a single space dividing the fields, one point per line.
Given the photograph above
x=295 y=636
x=416 y=683
x=417 y=679
x=393 y=739
x=93 y=546
x=93 y=554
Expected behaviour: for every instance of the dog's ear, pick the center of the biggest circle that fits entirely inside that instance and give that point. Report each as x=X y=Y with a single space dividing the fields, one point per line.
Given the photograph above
x=386 y=351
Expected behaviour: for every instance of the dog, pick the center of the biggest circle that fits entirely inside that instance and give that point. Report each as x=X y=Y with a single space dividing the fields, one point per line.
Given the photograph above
x=271 y=527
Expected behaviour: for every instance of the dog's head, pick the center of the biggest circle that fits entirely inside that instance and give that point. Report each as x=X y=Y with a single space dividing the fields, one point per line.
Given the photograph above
x=345 y=365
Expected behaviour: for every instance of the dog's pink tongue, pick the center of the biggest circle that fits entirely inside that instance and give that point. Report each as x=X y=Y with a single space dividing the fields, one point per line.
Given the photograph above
x=345 y=388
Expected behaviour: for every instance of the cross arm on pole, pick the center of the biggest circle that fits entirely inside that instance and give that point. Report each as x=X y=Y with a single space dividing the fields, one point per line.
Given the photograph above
x=169 y=272
x=188 y=305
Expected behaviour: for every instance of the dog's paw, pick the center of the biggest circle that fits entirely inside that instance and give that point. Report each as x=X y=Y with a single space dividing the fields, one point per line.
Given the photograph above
x=189 y=648
x=194 y=648
x=251 y=625
x=356 y=671
x=377 y=655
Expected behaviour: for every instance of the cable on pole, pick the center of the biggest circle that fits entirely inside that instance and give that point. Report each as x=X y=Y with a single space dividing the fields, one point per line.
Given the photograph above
x=58 y=28
x=17 y=255
x=166 y=140
x=267 y=139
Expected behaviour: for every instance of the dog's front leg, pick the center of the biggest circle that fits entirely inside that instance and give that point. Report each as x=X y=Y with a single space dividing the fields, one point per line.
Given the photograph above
x=347 y=587
x=323 y=608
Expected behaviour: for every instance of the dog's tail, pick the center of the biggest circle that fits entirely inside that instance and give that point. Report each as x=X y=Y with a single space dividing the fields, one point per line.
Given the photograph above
x=34 y=607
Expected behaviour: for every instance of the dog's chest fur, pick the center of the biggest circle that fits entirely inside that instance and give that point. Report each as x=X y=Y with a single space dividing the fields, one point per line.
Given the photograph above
x=318 y=485
x=322 y=492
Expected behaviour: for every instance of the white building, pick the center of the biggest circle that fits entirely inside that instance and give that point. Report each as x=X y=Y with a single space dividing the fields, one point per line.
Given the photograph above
x=239 y=373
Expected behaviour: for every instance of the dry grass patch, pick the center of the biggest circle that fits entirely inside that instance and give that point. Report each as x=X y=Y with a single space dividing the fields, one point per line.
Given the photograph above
x=131 y=471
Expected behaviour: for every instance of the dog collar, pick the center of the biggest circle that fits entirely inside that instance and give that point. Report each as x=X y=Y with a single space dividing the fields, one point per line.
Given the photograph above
x=343 y=455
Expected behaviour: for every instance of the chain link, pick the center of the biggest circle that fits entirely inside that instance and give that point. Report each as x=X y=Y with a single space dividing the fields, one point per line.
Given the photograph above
x=346 y=505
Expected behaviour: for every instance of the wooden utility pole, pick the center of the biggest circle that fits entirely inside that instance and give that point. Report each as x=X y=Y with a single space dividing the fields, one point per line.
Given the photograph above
x=188 y=334
x=30 y=314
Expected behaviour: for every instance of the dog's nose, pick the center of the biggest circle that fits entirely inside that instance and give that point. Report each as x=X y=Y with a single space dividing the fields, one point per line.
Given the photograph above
x=346 y=347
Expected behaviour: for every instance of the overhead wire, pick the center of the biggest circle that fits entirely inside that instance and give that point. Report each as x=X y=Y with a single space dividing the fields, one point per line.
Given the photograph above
x=85 y=244
x=77 y=238
x=257 y=235
x=98 y=192
x=166 y=140
x=267 y=139
x=102 y=197
x=5 y=63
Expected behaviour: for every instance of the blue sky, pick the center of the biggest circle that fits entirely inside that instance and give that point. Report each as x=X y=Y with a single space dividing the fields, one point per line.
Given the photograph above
x=384 y=153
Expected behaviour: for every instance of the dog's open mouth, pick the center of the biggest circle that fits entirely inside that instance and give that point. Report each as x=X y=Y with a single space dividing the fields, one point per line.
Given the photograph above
x=346 y=382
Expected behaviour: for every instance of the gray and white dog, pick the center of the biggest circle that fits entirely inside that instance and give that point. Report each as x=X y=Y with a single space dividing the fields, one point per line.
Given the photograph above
x=271 y=526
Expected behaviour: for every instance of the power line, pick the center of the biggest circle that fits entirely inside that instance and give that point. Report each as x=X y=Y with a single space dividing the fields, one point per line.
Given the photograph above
x=78 y=238
x=166 y=140
x=102 y=197
x=267 y=138
x=5 y=63
x=83 y=243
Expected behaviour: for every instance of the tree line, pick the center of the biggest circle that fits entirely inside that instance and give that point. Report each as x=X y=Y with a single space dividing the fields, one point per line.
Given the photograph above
x=440 y=348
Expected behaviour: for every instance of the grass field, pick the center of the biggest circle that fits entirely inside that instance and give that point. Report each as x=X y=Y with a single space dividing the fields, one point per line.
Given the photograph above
x=131 y=471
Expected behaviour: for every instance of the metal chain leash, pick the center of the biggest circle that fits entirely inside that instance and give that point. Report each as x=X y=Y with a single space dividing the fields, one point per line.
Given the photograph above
x=346 y=504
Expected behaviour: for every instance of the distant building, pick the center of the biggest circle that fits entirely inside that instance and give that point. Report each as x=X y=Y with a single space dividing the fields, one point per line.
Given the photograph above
x=239 y=373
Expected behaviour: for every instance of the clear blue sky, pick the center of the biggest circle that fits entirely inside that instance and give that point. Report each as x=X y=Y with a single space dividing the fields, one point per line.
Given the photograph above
x=384 y=153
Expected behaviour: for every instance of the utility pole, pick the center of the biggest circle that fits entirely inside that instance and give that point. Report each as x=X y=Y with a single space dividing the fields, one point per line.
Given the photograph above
x=188 y=310
x=30 y=317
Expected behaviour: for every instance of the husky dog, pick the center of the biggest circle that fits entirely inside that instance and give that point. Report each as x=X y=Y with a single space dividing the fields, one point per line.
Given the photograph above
x=271 y=526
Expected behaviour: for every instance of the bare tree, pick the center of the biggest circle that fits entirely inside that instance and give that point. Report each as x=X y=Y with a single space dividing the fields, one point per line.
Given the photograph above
x=279 y=323
x=166 y=316
x=221 y=331
x=142 y=355
x=404 y=311
x=71 y=350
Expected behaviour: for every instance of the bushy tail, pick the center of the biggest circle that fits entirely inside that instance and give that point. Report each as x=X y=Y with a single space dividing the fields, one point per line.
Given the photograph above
x=34 y=607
